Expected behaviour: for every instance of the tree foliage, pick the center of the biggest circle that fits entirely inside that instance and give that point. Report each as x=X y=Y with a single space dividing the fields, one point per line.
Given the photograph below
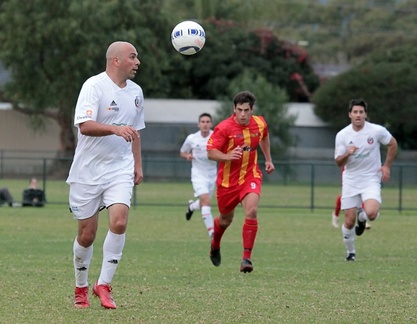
x=231 y=49
x=59 y=44
x=387 y=81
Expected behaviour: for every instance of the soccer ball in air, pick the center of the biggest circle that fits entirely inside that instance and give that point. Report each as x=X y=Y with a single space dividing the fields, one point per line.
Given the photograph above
x=188 y=37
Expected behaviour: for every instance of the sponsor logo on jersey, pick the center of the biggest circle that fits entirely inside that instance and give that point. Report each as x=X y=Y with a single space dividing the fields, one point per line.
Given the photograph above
x=113 y=108
x=248 y=148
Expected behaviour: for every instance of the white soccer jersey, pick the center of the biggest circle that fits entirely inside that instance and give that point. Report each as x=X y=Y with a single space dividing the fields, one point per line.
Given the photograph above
x=365 y=163
x=201 y=166
x=100 y=159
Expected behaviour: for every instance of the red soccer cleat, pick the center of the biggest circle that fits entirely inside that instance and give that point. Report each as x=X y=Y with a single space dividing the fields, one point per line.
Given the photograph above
x=81 y=297
x=104 y=293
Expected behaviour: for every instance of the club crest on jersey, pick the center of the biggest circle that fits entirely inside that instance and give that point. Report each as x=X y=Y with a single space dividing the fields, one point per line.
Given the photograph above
x=370 y=140
x=137 y=101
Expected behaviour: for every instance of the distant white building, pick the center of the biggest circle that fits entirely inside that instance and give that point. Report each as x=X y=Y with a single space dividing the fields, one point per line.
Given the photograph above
x=168 y=121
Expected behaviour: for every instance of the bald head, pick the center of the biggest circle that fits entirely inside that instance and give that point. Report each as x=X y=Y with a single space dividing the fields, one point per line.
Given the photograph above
x=122 y=62
x=117 y=48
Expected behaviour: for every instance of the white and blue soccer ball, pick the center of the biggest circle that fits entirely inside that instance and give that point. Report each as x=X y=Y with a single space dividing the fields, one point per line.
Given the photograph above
x=188 y=37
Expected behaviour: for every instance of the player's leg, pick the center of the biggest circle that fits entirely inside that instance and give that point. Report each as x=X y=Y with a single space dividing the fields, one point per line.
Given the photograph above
x=249 y=229
x=84 y=202
x=117 y=197
x=194 y=205
x=227 y=200
x=83 y=252
x=371 y=198
x=203 y=189
x=206 y=213
x=349 y=206
x=249 y=195
x=336 y=212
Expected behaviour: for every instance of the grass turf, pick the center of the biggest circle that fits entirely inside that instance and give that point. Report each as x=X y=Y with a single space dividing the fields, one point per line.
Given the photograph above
x=166 y=276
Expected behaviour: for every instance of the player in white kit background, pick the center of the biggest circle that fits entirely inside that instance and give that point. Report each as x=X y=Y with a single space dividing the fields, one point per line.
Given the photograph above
x=357 y=149
x=107 y=164
x=203 y=170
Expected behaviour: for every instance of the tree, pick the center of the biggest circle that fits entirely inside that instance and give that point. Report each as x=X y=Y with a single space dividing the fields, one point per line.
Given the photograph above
x=386 y=80
x=51 y=47
x=59 y=44
x=231 y=49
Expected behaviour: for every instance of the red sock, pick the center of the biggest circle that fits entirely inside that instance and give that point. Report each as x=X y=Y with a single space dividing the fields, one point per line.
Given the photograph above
x=249 y=230
x=218 y=233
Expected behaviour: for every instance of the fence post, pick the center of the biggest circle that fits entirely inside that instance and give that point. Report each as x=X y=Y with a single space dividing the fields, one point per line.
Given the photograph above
x=400 y=191
x=44 y=175
x=1 y=163
x=312 y=188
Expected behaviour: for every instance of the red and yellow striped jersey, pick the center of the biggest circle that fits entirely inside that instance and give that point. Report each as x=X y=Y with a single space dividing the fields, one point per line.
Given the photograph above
x=228 y=135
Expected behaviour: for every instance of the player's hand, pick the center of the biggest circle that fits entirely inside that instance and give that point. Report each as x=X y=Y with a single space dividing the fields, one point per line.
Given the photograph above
x=269 y=167
x=127 y=132
x=138 y=176
x=386 y=173
x=351 y=150
x=236 y=153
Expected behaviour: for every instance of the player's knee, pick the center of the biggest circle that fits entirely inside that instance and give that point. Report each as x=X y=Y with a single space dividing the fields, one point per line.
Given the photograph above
x=252 y=213
x=373 y=215
x=86 y=238
x=226 y=220
x=118 y=226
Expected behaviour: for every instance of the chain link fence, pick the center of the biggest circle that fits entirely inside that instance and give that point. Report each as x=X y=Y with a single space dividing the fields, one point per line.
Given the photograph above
x=310 y=182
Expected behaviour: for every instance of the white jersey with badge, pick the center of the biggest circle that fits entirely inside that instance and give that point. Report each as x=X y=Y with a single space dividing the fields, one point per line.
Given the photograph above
x=365 y=164
x=201 y=166
x=101 y=159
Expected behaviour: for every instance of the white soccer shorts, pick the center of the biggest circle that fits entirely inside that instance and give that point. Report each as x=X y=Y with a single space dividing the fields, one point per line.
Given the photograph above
x=86 y=200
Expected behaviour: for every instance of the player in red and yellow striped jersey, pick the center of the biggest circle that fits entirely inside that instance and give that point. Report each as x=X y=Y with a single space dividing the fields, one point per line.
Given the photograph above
x=234 y=144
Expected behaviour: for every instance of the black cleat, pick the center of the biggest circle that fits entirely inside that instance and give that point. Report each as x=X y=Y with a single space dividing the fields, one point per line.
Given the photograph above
x=246 y=266
x=351 y=257
x=215 y=257
x=360 y=228
x=190 y=212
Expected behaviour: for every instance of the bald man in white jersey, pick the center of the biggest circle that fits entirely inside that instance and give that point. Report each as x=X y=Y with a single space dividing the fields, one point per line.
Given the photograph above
x=357 y=149
x=203 y=170
x=107 y=164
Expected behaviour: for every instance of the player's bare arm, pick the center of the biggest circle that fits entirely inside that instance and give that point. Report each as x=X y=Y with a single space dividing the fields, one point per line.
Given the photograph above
x=266 y=150
x=186 y=155
x=93 y=128
x=391 y=153
x=137 y=156
x=219 y=156
x=341 y=160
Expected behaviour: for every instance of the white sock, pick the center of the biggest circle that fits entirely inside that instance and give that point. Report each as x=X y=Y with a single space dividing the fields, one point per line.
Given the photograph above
x=112 y=253
x=362 y=216
x=195 y=205
x=349 y=239
x=82 y=259
x=207 y=218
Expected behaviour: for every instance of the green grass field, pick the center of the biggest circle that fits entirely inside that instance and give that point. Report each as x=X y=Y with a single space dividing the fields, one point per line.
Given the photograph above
x=166 y=276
